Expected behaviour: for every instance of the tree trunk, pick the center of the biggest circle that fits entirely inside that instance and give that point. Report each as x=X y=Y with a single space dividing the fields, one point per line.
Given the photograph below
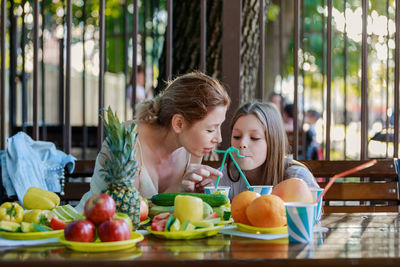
x=186 y=40
x=186 y=43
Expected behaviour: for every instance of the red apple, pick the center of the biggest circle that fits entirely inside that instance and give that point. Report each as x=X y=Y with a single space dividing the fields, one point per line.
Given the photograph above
x=144 y=210
x=99 y=208
x=80 y=231
x=114 y=230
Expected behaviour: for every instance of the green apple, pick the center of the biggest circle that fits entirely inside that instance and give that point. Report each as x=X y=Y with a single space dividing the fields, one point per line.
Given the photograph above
x=125 y=217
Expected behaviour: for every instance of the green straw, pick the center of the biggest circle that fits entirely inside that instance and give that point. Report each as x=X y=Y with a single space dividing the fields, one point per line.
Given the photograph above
x=226 y=152
x=238 y=168
x=222 y=164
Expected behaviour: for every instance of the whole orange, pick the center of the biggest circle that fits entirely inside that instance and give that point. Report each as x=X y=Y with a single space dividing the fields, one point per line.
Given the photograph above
x=239 y=206
x=267 y=211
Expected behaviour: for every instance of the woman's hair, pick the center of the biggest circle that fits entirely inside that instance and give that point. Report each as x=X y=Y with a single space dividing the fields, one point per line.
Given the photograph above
x=192 y=95
x=275 y=136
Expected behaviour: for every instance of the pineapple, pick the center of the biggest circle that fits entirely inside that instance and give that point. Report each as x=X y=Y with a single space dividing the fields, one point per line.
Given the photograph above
x=121 y=167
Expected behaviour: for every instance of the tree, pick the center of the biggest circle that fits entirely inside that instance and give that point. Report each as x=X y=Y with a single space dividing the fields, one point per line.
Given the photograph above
x=186 y=43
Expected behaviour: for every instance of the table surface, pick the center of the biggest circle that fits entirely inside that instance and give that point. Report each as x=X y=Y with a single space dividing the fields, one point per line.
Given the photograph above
x=371 y=239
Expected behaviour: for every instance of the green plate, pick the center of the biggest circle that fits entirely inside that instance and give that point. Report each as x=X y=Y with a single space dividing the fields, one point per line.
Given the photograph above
x=258 y=230
x=99 y=246
x=193 y=234
x=31 y=235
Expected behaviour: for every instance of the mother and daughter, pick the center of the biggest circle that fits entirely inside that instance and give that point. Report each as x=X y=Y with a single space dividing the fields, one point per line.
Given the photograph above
x=182 y=124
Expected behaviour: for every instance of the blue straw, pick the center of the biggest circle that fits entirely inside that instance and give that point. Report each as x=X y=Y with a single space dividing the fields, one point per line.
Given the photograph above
x=222 y=164
x=226 y=152
x=238 y=168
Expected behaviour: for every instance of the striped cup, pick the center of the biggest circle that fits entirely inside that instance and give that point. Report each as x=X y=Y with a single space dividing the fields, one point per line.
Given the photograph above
x=300 y=220
x=316 y=192
x=213 y=190
x=261 y=189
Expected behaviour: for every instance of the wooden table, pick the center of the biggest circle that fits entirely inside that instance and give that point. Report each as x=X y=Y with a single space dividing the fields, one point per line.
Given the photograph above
x=351 y=239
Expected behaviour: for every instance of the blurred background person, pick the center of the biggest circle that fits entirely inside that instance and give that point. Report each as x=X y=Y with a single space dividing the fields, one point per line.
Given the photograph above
x=278 y=100
x=287 y=117
x=140 y=89
x=313 y=150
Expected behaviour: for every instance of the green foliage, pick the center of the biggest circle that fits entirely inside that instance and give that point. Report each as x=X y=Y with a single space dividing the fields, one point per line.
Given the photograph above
x=120 y=140
x=273 y=12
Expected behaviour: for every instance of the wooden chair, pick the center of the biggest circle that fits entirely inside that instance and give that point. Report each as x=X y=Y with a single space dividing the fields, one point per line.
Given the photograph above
x=375 y=189
x=78 y=183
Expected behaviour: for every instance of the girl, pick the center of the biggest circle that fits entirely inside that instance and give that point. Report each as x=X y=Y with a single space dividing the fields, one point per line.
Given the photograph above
x=258 y=133
x=175 y=130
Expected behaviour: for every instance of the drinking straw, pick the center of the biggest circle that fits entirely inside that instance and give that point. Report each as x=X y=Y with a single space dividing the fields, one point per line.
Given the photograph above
x=346 y=173
x=226 y=152
x=238 y=168
x=222 y=164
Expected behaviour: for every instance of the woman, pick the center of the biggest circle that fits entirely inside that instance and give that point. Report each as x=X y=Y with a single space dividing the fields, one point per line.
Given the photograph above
x=175 y=130
x=258 y=133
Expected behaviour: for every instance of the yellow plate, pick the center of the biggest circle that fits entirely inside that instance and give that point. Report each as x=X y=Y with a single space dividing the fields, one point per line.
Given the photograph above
x=31 y=235
x=145 y=221
x=193 y=234
x=102 y=246
x=258 y=230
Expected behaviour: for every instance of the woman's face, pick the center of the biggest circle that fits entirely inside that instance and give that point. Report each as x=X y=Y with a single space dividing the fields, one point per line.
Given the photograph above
x=248 y=135
x=202 y=136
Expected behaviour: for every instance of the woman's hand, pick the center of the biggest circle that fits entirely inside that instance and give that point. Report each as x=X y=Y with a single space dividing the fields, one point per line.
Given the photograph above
x=198 y=176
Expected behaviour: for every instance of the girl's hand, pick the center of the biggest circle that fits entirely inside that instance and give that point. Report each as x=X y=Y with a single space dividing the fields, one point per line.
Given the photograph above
x=198 y=176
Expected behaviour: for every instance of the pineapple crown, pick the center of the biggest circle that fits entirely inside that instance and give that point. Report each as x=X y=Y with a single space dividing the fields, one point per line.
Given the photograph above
x=121 y=166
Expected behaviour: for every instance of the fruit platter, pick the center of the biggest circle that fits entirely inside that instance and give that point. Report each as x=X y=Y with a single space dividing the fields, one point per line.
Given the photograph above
x=42 y=217
x=99 y=246
x=188 y=215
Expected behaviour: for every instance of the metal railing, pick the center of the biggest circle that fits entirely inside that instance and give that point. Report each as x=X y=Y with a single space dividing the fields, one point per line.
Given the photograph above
x=231 y=40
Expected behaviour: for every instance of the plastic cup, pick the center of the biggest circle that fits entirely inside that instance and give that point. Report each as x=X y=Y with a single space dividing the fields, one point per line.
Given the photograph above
x=318 y=210
x=213 y=190
x=261 y=189
x=300 y=221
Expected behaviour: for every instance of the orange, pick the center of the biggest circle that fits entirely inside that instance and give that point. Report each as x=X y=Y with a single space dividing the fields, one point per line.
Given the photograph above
x=267 y=211
x=239 y=206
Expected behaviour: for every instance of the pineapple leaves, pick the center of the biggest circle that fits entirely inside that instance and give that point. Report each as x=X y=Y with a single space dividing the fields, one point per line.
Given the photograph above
x=120 y=164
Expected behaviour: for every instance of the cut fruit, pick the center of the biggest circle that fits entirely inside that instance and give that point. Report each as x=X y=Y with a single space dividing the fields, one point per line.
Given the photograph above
x=203 y=224
x=10 y=226
x=27 y=227
x=175 y=226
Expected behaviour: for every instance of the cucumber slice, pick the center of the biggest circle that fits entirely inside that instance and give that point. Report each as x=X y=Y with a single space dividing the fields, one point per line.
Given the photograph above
x=72 y=212
x=41 y=228
x=63 y=213
x=55 y=213
x=170 y=221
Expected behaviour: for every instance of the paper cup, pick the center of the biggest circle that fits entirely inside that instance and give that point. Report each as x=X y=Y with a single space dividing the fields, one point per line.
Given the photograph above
x=316 y=192
x=261 y=189
x=213 y=190
x=300 y=220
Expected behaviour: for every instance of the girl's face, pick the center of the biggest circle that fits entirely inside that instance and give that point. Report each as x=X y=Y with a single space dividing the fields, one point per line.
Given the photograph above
x=248 y=135
x=202 y=136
